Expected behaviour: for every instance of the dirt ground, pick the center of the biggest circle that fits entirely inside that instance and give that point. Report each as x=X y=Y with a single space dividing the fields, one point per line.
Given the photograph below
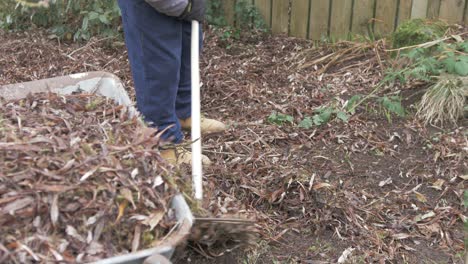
x=385 y=188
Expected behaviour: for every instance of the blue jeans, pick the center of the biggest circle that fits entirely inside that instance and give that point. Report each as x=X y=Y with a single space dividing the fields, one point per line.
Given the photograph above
x=159 y=54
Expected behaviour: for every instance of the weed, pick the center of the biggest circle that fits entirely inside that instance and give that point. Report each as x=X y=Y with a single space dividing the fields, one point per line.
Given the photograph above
x=280 y=119
x=393 y=105
x=324 y=115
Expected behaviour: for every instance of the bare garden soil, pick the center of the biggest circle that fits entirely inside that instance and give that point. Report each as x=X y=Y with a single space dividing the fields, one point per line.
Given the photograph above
x=385 y=188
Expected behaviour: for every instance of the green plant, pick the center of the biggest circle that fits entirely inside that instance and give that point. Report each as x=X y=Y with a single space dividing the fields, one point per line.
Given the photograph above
x=280 y=119
x=322 y=116
x=66 y=19
x=392 y=104
x=417 y=31
x=246 y=16
x=215 y=13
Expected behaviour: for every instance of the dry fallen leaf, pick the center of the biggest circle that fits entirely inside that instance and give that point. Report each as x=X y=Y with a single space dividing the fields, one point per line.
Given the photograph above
x=153 y=219
x=71 y=231
x=17 y=205
x=438 y=184
x=400 y=236
x=421 y=197
x=54 y=209
x=127 y=194
x=321 y=185
x=385 y=182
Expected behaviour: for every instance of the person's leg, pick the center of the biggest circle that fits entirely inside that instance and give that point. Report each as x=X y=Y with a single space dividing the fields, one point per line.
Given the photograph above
x=154 y=44
x=183 y=101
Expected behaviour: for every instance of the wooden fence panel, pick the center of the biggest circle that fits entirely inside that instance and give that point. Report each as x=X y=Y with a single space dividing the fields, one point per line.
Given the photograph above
x=419 y=9
x=385 y=13
x=404 y=12
x=314 y=19
x=229 y=10
x=340 y=18
x=433 y=9
x=363 y=13
x=264 y=7
x=466 y=14
x=299 y=18
x=319 y=13
x=280 y=15
x=452 y=10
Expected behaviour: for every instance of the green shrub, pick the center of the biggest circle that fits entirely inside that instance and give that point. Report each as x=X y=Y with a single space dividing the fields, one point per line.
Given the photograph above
x=417 y=31
x=67 y=19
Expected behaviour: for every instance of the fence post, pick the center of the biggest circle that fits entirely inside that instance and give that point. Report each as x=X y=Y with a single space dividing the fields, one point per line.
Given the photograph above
x=452 y=10
x=280 y=15
x=340 y=19
x=229 y=11
x=404 y=12
x=433 y=9
x=385 y=13
x=319 y=17
x=264 y=7
x=299 y=18
x=363 y=12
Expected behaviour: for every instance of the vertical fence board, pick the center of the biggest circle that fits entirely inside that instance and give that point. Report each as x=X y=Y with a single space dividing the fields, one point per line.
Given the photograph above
x=466 y=14
x=299 y=18
x=385 y=16
x=336 y=22
x=264 y=7
x=340 y=19
x=419 y=9
x=280 y=22
x=433 y=9
x=229 y=12
x=319 y=11
x=404 y=13
x=452 y=10
x=362 y=16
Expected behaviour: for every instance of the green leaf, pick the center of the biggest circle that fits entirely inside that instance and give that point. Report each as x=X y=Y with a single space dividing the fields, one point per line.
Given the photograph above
x=343 y=116
x=280 y=119
x=393 y=105
x=323 y=116
x=85 y=23
x=449 y=64
x=93 y=15
x=352 y=102
x=461 y=68
x=103 y=19
x=464 y=46
x=306 y=123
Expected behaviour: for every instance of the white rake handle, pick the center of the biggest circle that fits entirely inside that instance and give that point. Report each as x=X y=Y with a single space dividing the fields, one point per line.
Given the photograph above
x=197 y=176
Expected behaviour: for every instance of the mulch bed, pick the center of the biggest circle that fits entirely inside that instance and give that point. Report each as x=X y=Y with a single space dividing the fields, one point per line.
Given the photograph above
x=384 y=189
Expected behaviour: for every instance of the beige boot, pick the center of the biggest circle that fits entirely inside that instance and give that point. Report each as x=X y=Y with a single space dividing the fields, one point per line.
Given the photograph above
x=179 y=155
x=207 y=125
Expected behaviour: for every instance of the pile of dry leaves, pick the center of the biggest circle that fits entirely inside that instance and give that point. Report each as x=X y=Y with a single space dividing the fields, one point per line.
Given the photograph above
x=79 y=180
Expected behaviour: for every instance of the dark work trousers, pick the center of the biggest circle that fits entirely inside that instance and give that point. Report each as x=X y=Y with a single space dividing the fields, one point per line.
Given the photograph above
x=159 y=54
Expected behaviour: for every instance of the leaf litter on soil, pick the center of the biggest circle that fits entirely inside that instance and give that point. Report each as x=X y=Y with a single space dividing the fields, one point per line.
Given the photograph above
x=385 y=192
x=78 y=180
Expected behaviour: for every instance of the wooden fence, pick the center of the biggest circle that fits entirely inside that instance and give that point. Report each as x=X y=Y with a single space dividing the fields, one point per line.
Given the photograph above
x=315 y=19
